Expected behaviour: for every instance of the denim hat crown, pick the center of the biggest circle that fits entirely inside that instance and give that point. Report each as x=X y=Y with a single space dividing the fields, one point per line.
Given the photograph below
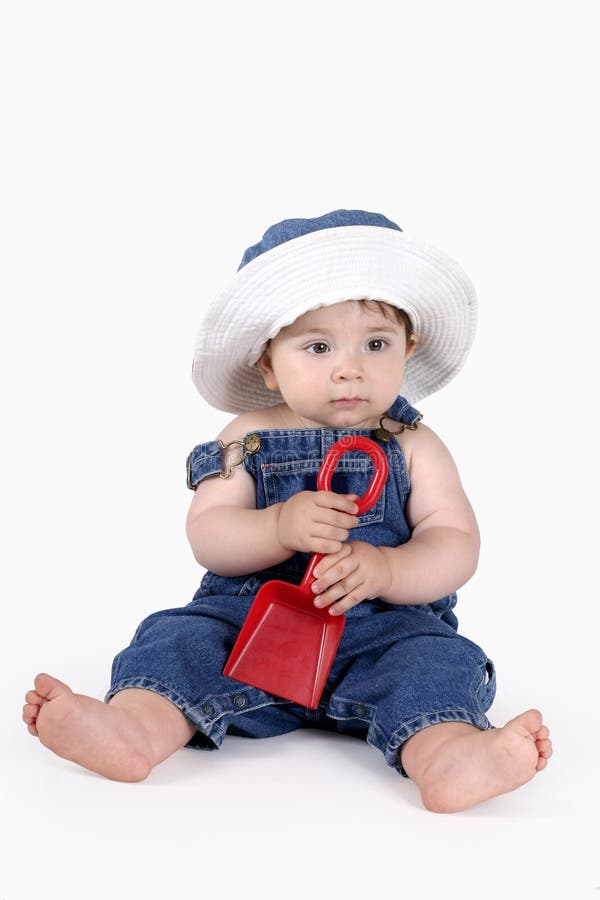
x=289 y=229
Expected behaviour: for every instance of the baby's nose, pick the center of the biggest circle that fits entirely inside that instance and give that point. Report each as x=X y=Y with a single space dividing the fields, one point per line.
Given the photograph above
x=347 y=370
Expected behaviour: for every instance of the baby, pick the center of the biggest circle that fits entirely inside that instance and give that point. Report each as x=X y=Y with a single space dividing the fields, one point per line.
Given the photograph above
x=332 y=327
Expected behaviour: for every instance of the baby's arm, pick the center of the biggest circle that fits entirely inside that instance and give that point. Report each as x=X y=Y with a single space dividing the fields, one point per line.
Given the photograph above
x=441 y=554
x=443 y=550
x=231 y=537
x=228 y=535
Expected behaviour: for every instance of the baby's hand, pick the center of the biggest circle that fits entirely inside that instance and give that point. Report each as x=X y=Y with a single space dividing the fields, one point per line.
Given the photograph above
x=316 y=521
x=357 y=572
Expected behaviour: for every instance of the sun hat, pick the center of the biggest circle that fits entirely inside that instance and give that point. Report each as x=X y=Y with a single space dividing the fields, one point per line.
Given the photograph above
x=302 y=264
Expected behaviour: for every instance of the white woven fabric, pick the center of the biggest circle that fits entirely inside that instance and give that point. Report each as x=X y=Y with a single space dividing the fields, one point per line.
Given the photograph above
x=326 y=267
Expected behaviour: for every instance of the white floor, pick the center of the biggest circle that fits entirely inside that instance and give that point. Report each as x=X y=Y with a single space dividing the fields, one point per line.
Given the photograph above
x=309 y=812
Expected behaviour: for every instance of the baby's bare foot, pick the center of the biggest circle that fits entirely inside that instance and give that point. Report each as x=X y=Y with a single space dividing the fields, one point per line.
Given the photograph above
x=470 y=768
x=96 y=735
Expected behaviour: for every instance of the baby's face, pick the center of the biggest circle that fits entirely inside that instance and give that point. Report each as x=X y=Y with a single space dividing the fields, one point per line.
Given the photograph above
x=339 y=366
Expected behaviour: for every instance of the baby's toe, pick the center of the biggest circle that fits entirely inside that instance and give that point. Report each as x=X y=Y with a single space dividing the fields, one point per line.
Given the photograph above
x=541 y=764
x=542 y=734
x=33 y=697
x=544 y=748
x=30 y=712
x=48 y=687
x=527 y=723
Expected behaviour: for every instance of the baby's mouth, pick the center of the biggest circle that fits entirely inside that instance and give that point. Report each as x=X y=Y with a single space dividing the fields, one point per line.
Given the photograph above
x=349 y=402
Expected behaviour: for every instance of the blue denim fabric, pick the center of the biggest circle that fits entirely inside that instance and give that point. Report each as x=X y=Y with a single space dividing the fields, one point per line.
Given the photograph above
x=398 y=669
x=290 y=229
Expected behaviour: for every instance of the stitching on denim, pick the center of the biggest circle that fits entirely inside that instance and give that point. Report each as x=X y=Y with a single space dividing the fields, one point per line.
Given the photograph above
x=477 y=683
x=373 y=724
x=339 y=718
x=201 y=458
x=271 y=484
x=251 y=586
x=392 y=747
x=198 y=479
x=307 y=465
x=145 y=681
x=396 y=462
x=440 y=715
x=401 y=469
x=189 y=710
x=484 y=689
x=199 y=461
x=247 y=709
x=379 y=734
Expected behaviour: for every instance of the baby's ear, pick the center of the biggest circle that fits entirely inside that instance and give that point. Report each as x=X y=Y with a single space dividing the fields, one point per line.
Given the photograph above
x=412 y=345
x=265 y=367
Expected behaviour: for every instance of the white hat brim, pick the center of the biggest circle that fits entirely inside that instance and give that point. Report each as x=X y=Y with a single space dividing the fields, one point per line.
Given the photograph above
x=326 y=267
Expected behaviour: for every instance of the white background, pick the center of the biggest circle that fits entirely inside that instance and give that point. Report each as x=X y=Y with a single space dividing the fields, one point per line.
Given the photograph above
x=145 y=146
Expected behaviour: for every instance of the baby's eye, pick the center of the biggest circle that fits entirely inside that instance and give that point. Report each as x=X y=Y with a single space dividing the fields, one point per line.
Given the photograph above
x=376 y=344
x=318 y=347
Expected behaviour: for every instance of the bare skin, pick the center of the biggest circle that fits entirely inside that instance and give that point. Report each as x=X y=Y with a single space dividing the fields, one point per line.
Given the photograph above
x=455 y=765
x=122 y=740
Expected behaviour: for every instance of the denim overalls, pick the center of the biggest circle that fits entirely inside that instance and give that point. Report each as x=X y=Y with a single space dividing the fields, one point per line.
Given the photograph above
x=398 y=669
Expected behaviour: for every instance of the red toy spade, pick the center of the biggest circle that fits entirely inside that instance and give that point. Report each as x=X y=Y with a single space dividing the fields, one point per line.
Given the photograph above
x=287 y=645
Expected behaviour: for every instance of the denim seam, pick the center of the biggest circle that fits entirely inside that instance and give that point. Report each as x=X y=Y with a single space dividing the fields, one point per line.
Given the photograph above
x=372 y=723
x=374 y=517
x=203 y=464
x=477 y=683
x=483 y=688
x=478 y=678
x=400 y=468
x=433 y=713
x=307 y=464
x=398 y=462
x=354 y=703
x=391 y=751
x=201 y=722
x=247 y=709
x=448 y=714
x=375 y=736
x=206 y=475
x=144 y=682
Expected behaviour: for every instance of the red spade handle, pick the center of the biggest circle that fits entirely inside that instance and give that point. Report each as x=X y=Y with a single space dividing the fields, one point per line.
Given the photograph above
x=356 y=442
x=368 y=499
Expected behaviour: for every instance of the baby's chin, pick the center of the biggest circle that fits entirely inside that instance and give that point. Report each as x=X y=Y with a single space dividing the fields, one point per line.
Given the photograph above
x=353 y=417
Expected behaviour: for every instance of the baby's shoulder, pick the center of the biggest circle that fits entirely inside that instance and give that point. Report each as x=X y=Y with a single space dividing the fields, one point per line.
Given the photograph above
x=247 y=422
x=420 y=445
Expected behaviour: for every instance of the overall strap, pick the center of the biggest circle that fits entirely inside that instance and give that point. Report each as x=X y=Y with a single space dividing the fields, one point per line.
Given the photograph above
x=402 y=411
x=402 y=414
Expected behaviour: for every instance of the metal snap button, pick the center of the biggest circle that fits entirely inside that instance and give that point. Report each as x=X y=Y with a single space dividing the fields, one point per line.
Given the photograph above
x=252 y=443
x=239 y=700
x=208 y=710
x=360 y=710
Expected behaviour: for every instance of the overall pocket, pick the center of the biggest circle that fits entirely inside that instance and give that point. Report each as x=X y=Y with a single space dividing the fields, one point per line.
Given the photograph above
x=352 y=476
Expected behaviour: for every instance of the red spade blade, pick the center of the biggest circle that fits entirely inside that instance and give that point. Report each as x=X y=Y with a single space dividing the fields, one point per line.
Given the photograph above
x=286 y=645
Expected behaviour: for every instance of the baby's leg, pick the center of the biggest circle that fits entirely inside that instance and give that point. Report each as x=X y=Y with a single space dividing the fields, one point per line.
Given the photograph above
x=457 y=765
x=122 y=740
